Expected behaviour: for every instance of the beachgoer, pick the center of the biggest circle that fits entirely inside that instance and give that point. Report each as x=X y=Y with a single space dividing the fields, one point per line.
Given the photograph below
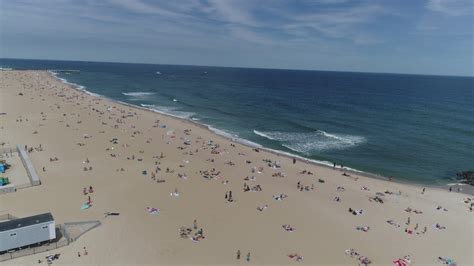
x=195 y=225
x=423 y=191
x=238 y=254
x=248 y=257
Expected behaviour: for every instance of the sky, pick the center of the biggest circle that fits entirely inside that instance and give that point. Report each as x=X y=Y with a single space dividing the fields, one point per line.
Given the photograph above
x=396 y=36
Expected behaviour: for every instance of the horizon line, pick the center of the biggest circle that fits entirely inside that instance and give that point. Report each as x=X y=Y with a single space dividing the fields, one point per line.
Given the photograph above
x=238 y=67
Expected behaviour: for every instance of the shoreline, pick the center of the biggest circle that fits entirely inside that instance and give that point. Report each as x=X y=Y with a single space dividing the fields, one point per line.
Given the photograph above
x=287 y=155
x=160 y=173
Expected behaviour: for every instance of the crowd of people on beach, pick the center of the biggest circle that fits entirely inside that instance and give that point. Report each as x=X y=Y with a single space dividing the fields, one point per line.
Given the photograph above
x=119 y=119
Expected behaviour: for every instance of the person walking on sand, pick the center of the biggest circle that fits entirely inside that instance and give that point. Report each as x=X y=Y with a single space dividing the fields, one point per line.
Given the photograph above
x=238 y=254
x=248 y=257
x=195 y=225
x=423 y=191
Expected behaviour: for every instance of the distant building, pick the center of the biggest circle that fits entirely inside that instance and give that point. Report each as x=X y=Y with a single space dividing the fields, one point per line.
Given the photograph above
x=23 y=232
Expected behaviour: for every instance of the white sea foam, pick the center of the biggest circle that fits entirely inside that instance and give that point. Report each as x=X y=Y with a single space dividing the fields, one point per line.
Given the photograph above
x=169 y=110
x=138 y=95
x=233 y=137
x=309 y=142
x=222 y=132
x=326 y=163
x=261 y=134
x=76 y=86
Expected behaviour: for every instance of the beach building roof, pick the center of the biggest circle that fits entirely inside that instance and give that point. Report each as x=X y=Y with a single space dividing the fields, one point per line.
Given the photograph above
x=27 y=221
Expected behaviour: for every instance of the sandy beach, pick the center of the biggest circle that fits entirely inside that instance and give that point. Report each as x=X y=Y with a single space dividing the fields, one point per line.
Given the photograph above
x=162 y=174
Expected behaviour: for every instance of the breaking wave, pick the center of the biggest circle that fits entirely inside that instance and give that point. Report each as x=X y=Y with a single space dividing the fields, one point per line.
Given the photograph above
x=310 y=142
x=169 y=110
x=138 y=95
x=74 y=85
x=233 y=136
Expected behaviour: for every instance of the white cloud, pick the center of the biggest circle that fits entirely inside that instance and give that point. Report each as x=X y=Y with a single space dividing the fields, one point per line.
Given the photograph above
x=236 y=12
x=139 y=6
x=451 y=7
x=341 y=23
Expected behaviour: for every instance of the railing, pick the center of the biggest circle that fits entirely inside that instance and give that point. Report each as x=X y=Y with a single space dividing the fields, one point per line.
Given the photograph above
x=77 y=232
x=30 y=170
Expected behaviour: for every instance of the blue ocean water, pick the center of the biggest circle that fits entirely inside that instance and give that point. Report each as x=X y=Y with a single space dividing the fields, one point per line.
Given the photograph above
x=415 y=128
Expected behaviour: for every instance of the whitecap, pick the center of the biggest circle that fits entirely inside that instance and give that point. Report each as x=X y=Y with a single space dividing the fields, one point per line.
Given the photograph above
x=138 y=93
x=169 y=110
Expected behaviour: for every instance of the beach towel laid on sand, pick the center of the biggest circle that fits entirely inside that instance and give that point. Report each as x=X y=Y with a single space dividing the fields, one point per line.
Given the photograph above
x=447 y=261
x=405 y=261
x=153 y=211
